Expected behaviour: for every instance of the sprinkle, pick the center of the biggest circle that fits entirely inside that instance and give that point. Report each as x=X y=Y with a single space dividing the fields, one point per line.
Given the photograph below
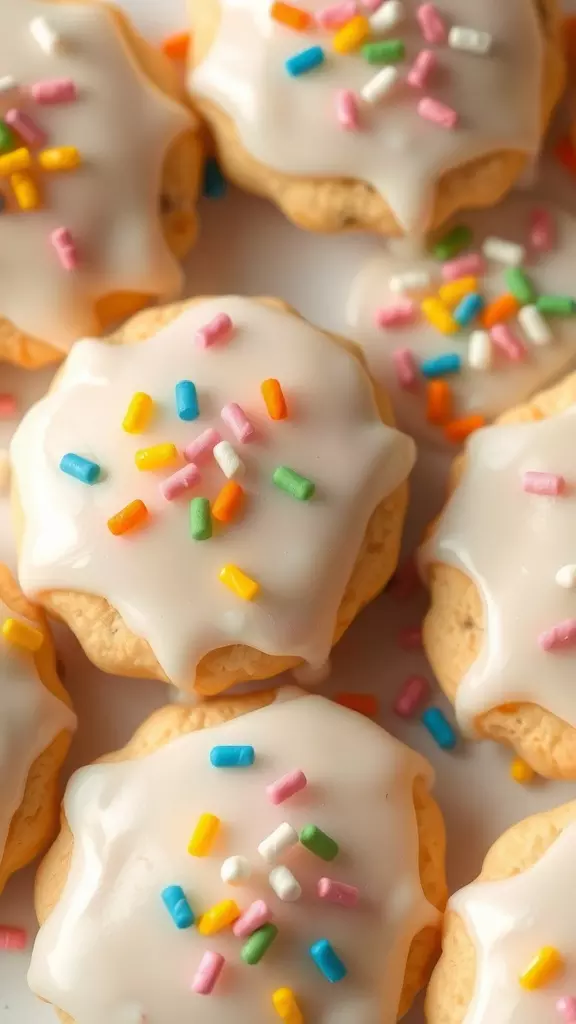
x=470 y=40
x=208 y=972
x=20 y=634
x=203 y=445
x=413 y=692
x=424 y=65
x=220 y=916
x=204 y=835
x=410 y=281
x=46 y=37
x=542 y=232
x=24 y=188
x=61 y=158
x=387 y=16
x=542 y=968
x=439 y=113
x=521 y=772
x=200 y=519
x=7 y=137
x=502 y=251
x=362 y=703
x=54 y=90
x=219 y=329
x=176 y=46
x=351 y=36
x=534 y=325
x=156 y=457
x=452 y=243
x=431 y=24
x=503 y=338
x=284 y=1002
x=239 y=583
x=235 y=870
x=178 y=907
x=214 y=185
x=468 y=309
x=292 y=483
x=500 y=310
x=305 y=61
x=232 y=756
x=251 y=920
x=327 y=961
x=13 y=938
x=562 y=635
x=258 y=944
x=18 y=160
x=458 y=430
x=65 y=248
x=439 y=728
x=285 y=787
x=138 y=413
x=187 y=400
x=556 y=305
x=85 y=470
x=567 y=1006
x=388 y=51
x=236 y=419
x=292 y=17
x=440 y=317
x=453 y=291
x=7 y=84
x=480 y=350
x=410 y=638
x=338 y=892
x=284 y=884
x=439 y=401
x=227 y=458
x=566 y=577
x=438 y=366
x=318 y=842
x=400 y=314
x=131 y=516
x=8 y=406
x=337 y=15
x=277 y=843
x=520 y=285
x=347 y=111
x=405 y=367
x=26 y=127
x=180 y=482
x=226 y=506
x=274 y=399
x=464 y=266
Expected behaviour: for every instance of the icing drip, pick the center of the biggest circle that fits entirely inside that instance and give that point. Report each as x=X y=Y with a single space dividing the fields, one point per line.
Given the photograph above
x=131 y=823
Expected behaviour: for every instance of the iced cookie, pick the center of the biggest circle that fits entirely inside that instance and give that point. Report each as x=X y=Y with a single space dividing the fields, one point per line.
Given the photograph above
x=35 y=728
x=501 y=631
x=215 y=501
x=480 y=323
x=387 y=116
x=99 y=171
x=232 y=835
x=509 y=950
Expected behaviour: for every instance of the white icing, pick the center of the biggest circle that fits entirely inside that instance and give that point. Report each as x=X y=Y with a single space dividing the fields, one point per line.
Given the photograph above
x=109 y=948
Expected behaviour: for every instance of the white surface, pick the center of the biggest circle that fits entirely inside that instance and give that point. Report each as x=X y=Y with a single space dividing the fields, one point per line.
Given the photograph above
x=247 y=247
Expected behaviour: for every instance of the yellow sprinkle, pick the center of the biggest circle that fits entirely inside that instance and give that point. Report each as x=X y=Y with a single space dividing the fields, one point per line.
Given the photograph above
x=18 y=160
x=453 y=291
x=284 y=1002
x=138 y=413
x=63 y=158
x=520 y=771
x=222 y=915
x=20 y=634
x=156 y=457
x=239 y=583
x=204 y=835
x=439 y=316
x=24 y=188
x=546 y=965
x=351 y=36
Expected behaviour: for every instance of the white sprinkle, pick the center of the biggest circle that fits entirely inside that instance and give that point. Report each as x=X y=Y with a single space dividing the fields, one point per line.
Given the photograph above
x=566 y=577
x=227 y=458
x=381 y=84
x=7 y=84
x=235 y=870
x=47 y=39
x=282 y=839
x=470 y=40
x=480 y=350
x=390 y=14
x=4 y=470
x=286 y=887
x=501 y=251
x=410 y=281
x=534 y=326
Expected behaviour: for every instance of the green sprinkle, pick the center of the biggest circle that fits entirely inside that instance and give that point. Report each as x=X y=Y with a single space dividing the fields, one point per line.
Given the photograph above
x=315 y=840
x=520 y=285
x=452 y=243
x=200 y=519
x=258 y=944
x=7 y=138
x=295 y=485
x=556 y=305
x=390 y=51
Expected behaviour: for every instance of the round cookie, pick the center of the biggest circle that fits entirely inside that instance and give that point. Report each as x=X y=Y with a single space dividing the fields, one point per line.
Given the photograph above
x=497 y=926
x=500 y=630
x=334 y=161
x=128 y=822
x=100 y=167
x=36 y=724
x=313 y=518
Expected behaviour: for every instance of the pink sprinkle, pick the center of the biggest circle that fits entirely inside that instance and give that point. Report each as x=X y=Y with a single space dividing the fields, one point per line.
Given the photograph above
x=13 y=938
x=559 y=636
x=372 y=5
x=410 y=638
x=27 y=129
x=219 y=329
x=235 y=418
x=208 y=973
x=281 y=790
x=337 y=15
x=405 y=366
x=421 y=69
x=567 y=1006
x=338 y=892
x=8 y=406
x=401 y=313
x=439 y=113
x=65 y=248
x=179 y=482
x=346 y=103
x=542 y=231
x=503 y=338
x=431 y=24
x=534 y=482
x=54 y=90
x=412 y=693
x=203 y=446
x=256 y=915
x=464 y=266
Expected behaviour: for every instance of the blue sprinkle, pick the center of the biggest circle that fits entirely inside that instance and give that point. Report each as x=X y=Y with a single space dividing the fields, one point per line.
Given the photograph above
x=439 y=728
x=82 y=469
x=327 y=961
x=187 y=400
x=215 y=185
x=305 y=61
x=468 y=309
x=178 y=907
x=441 y=365
x=232 y=757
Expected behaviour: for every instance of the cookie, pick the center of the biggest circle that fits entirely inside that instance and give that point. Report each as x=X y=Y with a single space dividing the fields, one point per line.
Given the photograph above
x=390 y=123
x=36 y=724
x=500 y=630
x=244 y=510
x=341 y=909
x=100 y=167
x=508 y=945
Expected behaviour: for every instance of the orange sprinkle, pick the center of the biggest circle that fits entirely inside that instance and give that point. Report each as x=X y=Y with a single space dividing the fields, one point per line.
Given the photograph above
x=459 y=430
x=274 y=397
x=566 y=154
x=176 y=46
x=227 y=505
x=293 y=17
x=439 y=395
x=502 y=309
x=363 y=703
x=133 y=515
